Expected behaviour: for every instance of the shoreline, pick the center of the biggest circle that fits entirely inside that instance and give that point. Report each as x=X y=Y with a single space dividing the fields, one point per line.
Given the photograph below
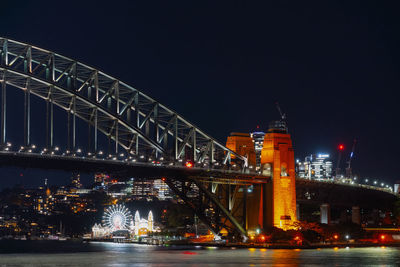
x=10 y=246
x=266 y=246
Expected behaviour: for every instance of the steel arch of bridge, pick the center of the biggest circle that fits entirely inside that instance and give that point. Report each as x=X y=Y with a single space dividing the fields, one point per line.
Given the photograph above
x=134 y=121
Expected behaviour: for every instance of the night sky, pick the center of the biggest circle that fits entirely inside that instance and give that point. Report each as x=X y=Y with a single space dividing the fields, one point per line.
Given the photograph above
x=333 y=66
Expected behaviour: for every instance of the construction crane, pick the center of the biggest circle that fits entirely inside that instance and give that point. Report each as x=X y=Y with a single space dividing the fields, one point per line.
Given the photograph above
x=281 y=124
x=348 y=169
x=283 y=115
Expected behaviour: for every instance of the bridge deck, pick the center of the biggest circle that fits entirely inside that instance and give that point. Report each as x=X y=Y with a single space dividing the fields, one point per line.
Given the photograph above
x=124 y=168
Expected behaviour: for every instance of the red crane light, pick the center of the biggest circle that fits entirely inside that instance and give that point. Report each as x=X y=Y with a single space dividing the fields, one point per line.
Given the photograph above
x=341 y=147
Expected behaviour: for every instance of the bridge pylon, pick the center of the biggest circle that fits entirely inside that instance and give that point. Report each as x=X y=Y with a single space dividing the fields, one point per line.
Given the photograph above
x=277 y=160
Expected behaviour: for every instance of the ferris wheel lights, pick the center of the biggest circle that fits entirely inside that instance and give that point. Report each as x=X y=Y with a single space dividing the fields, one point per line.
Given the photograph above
x=117 y=217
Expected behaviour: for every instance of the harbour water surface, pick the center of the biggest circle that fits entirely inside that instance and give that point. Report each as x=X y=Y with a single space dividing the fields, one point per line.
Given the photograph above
x=117 y=254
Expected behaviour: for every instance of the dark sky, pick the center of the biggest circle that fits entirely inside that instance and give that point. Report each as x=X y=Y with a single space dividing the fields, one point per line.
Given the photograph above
x=332 y=65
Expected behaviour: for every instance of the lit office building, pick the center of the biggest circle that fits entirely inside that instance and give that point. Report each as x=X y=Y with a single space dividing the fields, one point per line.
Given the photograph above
x=315 y=167
x=163 y=191
x=258 y=139
x=143 y=189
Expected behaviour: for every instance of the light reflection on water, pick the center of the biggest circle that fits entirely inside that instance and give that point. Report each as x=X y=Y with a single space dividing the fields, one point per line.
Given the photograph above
x=114 y=254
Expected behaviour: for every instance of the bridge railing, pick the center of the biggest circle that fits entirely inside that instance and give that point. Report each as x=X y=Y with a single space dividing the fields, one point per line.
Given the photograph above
x=350 y=183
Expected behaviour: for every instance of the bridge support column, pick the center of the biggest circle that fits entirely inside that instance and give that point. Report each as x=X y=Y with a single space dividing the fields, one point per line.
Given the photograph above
x=325 y=216
x=27 y=114
x=245 y=208
x=267 y=205
x=95 y=132
x=3 y=109
x=355 y=215
x=49 y=121
x=74 y=124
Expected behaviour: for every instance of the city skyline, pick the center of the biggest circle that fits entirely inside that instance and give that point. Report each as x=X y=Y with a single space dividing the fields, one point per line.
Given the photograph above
x=209 y=132
x=331 y=68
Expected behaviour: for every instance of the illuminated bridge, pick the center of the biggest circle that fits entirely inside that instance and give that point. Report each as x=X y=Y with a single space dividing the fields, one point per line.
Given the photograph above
x=96 y=123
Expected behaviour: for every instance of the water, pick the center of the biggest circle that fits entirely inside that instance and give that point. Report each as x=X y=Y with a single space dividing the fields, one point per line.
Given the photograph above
x=113 y=254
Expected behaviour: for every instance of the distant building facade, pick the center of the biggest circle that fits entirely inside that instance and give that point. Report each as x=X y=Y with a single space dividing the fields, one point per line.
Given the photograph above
x=258 y=139
x=315 y=166
x=134 y=188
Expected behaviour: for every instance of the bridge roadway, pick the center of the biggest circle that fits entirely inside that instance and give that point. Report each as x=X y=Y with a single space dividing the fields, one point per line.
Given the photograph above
x=307 y=191
x=343 y=194
x=124 y=169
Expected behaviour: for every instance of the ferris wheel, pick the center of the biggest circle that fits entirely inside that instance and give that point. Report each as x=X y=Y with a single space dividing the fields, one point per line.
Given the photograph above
x=117 y=217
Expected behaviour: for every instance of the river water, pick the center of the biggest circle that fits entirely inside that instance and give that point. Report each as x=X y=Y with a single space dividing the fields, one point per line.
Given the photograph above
x=114 y=254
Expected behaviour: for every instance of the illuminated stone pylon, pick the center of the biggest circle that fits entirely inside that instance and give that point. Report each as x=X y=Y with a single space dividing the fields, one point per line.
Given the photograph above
x=272 y=203
x=277 y=160
x=242 y=144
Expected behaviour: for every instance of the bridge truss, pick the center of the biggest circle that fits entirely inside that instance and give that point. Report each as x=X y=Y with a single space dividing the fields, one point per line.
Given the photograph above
x=137 y=126
x=134 y=121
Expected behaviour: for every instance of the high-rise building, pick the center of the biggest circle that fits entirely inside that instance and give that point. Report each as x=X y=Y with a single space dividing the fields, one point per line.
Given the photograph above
x=315 y=166
x=258 y=139
x=143 y=189
x=150 y=189
x=163 y=191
